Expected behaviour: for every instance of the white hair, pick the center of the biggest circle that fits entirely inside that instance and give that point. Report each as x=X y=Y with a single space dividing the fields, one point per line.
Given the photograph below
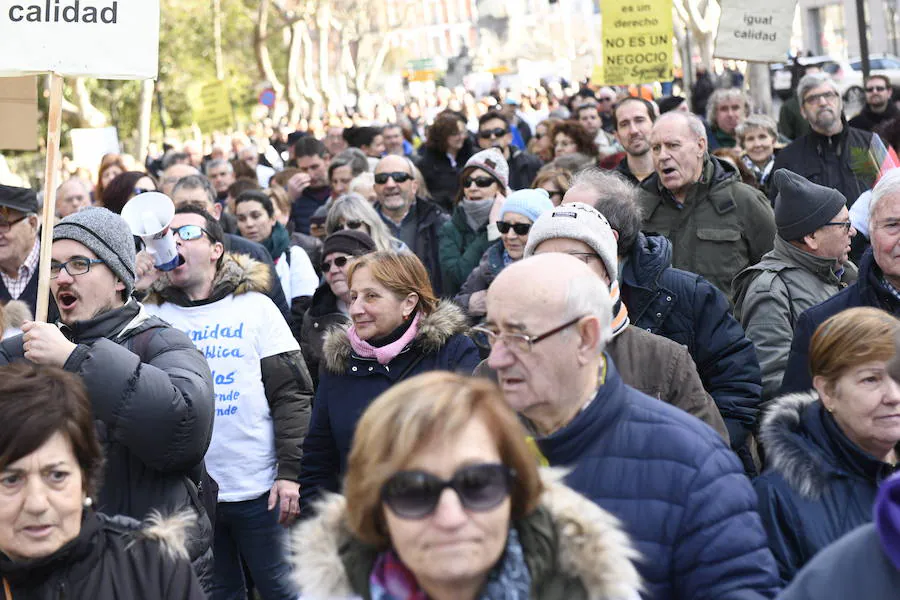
x=589 y=296
x=691 y=120
x=889 y=185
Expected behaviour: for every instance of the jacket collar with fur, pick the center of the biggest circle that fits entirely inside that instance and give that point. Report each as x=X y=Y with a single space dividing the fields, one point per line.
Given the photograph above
x=435 y=330
x=590 y=546
x=239 y=274
x=806 y=446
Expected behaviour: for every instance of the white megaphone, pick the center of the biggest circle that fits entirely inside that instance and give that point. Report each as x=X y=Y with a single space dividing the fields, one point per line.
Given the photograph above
x=148 y=216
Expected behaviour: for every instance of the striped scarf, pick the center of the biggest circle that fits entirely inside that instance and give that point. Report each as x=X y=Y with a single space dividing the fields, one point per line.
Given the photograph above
x=620 y=313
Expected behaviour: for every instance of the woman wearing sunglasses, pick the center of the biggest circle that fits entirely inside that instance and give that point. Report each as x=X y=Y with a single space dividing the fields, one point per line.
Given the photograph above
x=519 y=212
x=443 y=500
x=256 y=221
x=352 y=211
x=465 y=237
x=399 y=329
x=125 y=187
x=556 y=181
x=330 y=305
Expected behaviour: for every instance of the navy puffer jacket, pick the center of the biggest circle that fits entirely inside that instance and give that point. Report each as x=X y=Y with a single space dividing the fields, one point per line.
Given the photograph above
x=679 y=491
x=868 y=290
x=349 y=383
x=820 y=485
x=688 y=309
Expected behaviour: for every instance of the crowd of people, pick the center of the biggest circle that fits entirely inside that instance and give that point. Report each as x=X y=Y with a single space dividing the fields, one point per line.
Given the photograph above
x=640 y=348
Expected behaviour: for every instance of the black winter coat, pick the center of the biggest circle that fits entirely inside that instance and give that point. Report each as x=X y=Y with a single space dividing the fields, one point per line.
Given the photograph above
x=523 y=168
x=111 y=559
x=866 y=291
x=322 y=315
x=829 y=160
x=152 y=396
x=688 y=309
x=820 y=485
x=441 y=177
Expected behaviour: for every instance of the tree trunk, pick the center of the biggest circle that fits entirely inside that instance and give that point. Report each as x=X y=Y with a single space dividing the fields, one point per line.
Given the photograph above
x=292 y=78
x=88 y=114
x=217 y=39
x=323 y=26
x=147 y=87
x=760 y=87
x=263 y=60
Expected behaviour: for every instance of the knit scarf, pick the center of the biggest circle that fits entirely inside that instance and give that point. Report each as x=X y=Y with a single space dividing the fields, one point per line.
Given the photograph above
x=278 y=241
x=387 y=353
x=477 y=212
x=508 y=580
x=620 y=312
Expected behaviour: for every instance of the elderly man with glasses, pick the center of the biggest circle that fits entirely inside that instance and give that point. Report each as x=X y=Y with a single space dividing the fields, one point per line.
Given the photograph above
x=833 y=154
x=676 y=486
x=20 y=247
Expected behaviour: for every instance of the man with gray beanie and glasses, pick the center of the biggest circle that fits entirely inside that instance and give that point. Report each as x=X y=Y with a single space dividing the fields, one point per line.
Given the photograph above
x=809 y=265
x=151 y=390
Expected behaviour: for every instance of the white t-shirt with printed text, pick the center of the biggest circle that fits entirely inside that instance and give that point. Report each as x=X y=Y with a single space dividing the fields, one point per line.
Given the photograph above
x=235 y=334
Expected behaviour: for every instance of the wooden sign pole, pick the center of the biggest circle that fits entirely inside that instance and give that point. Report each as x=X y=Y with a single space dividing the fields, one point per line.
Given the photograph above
x=54 y=122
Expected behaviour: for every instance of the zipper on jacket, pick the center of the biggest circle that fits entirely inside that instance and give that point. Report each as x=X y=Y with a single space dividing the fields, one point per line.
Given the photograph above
x=61 y=588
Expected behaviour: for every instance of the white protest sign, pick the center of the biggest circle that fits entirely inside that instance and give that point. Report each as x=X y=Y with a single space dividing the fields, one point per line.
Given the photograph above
x=107 y=39
x=758 y=31
x=89 y=145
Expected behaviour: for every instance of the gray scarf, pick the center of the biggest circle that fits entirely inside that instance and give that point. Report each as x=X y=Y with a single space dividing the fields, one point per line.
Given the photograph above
x=477 y=212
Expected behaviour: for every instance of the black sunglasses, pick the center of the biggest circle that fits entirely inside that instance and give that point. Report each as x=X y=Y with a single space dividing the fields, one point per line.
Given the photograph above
x=489 y=133
x=398 y=176
x=482 y=182
x=415 y=494
x=352 y=224
x=876 y=88
x=519 y=228
x=339 y=262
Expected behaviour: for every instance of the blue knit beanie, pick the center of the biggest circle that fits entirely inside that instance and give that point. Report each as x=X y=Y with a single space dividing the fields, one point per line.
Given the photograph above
x=528 y=203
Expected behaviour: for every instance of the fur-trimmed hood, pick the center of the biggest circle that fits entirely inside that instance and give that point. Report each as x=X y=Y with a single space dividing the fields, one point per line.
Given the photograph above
x=435 y=330
x=788 y=451
x=239 y=274
x=592 y=546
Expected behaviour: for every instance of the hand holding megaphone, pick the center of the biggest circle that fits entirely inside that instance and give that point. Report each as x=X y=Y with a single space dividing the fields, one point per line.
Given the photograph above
x=148 y=216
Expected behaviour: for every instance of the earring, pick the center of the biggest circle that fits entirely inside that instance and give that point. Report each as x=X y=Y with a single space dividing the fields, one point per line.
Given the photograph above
x=88 y=502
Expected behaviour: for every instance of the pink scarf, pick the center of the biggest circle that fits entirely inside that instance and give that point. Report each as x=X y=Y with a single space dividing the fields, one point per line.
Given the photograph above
x=385 y=354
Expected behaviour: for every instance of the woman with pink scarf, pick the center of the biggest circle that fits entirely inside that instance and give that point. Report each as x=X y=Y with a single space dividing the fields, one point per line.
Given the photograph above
x=399 y=329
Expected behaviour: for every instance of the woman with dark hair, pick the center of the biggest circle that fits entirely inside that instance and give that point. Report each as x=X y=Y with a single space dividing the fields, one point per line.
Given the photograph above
x=111 y=166
x=52 y=543
x=446 y=150
x=399 y=328
x=541 y=143
x=570 y=137
x=126 y=186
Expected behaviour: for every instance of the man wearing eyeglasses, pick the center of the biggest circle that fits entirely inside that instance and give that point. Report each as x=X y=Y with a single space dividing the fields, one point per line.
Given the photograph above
x=808 y=265
x=879 y=107
x=833 y=154
x=150 y=390
x=20 y=246
x=413 y=220
x=494 y=132
x=263 y=395
x=676 y=486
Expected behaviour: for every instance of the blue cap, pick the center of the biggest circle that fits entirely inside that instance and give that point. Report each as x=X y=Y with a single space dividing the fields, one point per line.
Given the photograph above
x=528 y=203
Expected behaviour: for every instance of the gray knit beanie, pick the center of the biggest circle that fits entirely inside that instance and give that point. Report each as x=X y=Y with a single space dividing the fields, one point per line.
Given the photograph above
x=802 y=206
x=492 y=161
x=577 y=221
x=107 y=235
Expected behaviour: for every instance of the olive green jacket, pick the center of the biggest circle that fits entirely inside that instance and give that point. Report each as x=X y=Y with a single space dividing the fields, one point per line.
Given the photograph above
x=574 y=550
x=723 y=227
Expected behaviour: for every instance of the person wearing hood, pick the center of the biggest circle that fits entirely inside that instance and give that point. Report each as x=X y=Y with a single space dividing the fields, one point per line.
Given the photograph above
x=256 y=221
x=53 y=543
x=833 y=153
x=399 y=329
x=678 y=305
x=331 y=303
x=718 y=226
x=808 y=265
x=151 y=392
x=263 y=394
x=504 y=531
x=465 y=237
x=829 y=449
